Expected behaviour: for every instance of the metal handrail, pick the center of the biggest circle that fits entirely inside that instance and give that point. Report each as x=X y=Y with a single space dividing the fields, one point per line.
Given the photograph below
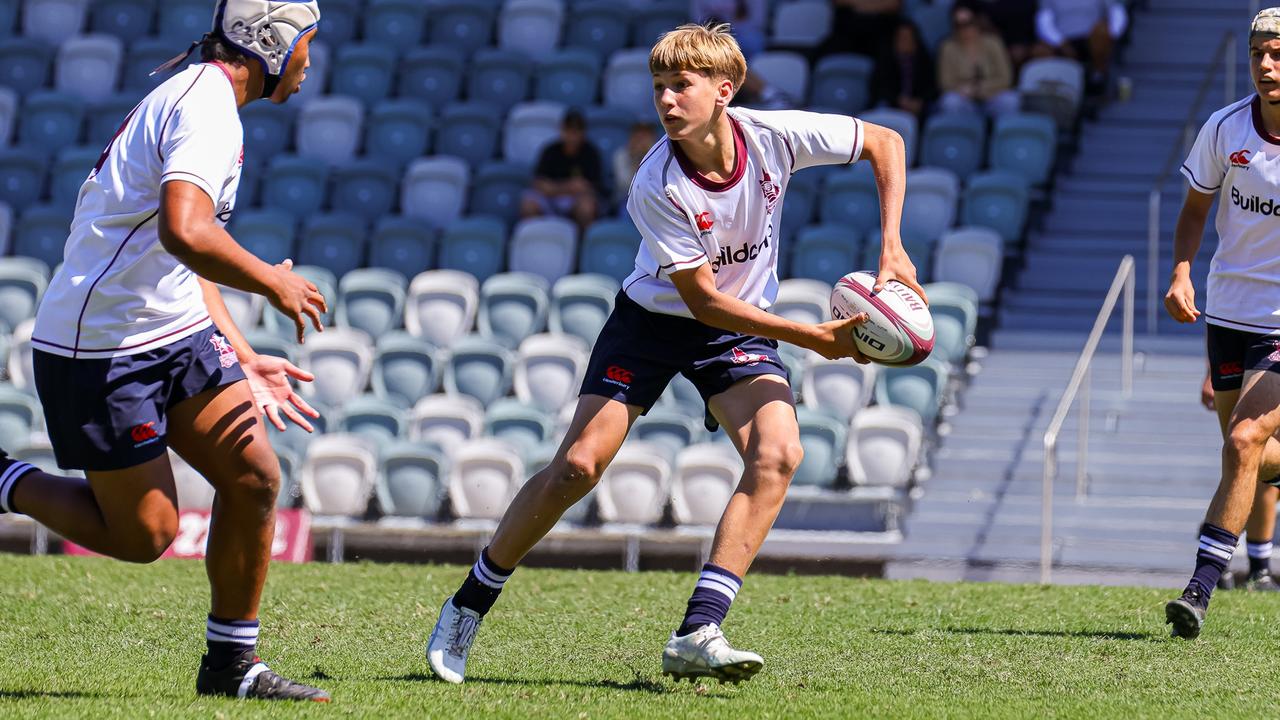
x=1224 y=54
x=1079 y=385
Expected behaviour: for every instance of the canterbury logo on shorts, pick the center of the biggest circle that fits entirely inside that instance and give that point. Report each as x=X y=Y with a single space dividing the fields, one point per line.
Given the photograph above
x=618 y=376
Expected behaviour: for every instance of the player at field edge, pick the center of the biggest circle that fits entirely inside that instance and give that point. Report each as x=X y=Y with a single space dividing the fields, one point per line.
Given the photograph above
x=707 y=201
x=1236 y=157
x=135 y=352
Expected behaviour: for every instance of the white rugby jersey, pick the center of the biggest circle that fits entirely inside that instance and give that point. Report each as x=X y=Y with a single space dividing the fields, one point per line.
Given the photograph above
x=119 y=292
x=1235 y=157
x=686 y=220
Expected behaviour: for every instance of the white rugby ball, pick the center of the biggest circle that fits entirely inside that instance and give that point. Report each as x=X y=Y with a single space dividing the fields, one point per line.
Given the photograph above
x=899 y=328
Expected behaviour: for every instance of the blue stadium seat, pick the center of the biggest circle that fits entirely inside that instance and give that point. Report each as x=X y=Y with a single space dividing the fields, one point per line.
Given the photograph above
x=627 y=83
x=655 y=18
x=24 y=64
x=785 y=70
x=972 y=256
x=373 y=419
x=609 y=248
x=50 y=121
x=413 y=480
x=850 y=199
x=371 y=300
x=366 y=188
x=499 y=78
x=405 y=369
x=435 y=189
x=531 y=27
x=529 y=128
x=513 y=306
x=398 y=131
x=603 y=27
x=608 y=128
x=431 y=74
x=395 y=24
x=919 y=388
x=340 y=21
x=41 y=233
x=956 y=142
x=22 y=172
x=823 y=438
x=802 y=24
x=524 y=427
x=669 y=429
x=934 y=21
x=953 y=327
x=364 y=72
x=930 y=206
x=469 y=131
x=799 y=207
x=1024 y=143
x=404 y=244
x=144 y=55
x=480 y=368
x=267 y=233
x=70 y=171
x=19 y=415
x=8 y=17
x=268 y=130
x=22 y=283
x=544 y=246
x=104 y=118
x=89 y=66
x=53 y=21
x=465 y=25
x=824 y=252
x=905 y=123
x=128 y=19
x=295 y=185
x=8 y=114
x=497 y=189
x=475 y=245
x=580 y=305
x=334 y=241
x=919 y=249
x=181 y=22
x=840 y=82
x=570 y=76
x=998 y=200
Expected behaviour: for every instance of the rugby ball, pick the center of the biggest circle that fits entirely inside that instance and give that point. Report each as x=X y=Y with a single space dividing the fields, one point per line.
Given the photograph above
x=899 y=328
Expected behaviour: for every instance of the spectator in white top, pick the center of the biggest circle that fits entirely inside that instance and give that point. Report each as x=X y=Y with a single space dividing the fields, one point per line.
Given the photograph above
x=626 y=159
x=1084 y=30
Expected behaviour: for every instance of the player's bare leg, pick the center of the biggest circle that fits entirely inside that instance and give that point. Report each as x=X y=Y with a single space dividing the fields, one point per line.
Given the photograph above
x=760 y=419
x=1253 y=422
x=598 y=428
x=1260 y=527
x=221 y=435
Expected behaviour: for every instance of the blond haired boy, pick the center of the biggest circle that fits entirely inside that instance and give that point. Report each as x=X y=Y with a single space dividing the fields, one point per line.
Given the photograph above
x=707 y=200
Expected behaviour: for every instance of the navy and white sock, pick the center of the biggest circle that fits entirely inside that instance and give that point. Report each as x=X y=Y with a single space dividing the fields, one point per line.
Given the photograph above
x=1259 y=556
x=10 y=472
x=1216 y=548
x=229 y=639
x=483 y=585
x=712 y=596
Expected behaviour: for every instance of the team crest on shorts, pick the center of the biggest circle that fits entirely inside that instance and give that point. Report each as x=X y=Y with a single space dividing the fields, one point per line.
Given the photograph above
x=1275 y=353
x=226 y=354
x=746 y=358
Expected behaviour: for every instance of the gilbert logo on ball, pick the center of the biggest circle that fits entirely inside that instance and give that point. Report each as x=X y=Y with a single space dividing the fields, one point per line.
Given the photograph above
x=899 y=328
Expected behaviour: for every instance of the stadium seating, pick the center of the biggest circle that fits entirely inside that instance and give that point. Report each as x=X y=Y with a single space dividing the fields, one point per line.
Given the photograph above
x=412 y=480
x=431 y=74
x=317 y=79
x=998 y=200
x=531 y=27
x=474 y=245
x=478 y=367
x=609 y=127
x=930 y=206
x=50 y=120
x=850 y=200
x=24 y=64
x=404 y=369
x=580 y=305
x=435 y=189
x=803 y=300
x=1026 y=144
x=341 y=359
x=600 y=26
x=1053 y=86
x=628 y=84
x=395 y=24
x=971 y=256
x=245 y=308
x=823 y=439
x=268 y=234
x=497 y=190
x=668 y=429
x=955 y=142
x=19 y=415
x=126 y=19
x=801 y=24
x=268 y=130
x=484 y=475
x=20 y=361
x=333 y=241
x=785 y=71
x=53 y=21
x=919 y=388
x=365 y=188
x=543 y=246
x=89 y=66
x=954 y=323
x=376 y=420
x=446 y=420
x=499 y=78
x=22 y=283
x=181 y=22
x=363 y=72
x=8 y=114
x=468 y=130
x=609 y=249
x=41 y=233
x=69 y=172
x=371 y=300
x=569 y=77
x=840 y=82
x=295 y=185
x=884 y=446
x=397 y=131
x=633 y=489
x=904 y=123
x=839 y=388
x=704 y=480
x=513 y=306
x=141 y=57
x=548 y=370
x=521 y=426
x=341 y=21
x=824 y=252
x=441 y=306
x=406 y=245
x=337 y=475
x=329 y=129
x=464 y=26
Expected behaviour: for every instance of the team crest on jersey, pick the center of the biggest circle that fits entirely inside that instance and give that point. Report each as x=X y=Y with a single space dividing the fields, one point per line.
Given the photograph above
x=1239 y=158
x=226 y=354
x=771 y=190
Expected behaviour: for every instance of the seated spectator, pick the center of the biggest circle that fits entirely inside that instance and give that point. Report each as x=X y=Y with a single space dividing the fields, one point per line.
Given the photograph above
x=567 y=180
x=904 y=77
x=1083 y=30
x=973 y=69
x=1013 y=20
x=864 y=27
x=626 y=159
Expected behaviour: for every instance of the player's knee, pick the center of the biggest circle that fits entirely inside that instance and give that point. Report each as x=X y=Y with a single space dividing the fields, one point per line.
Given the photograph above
x=776 y=463
x=1246 y=437
x=150 y=539
x=259 y=485
x=578 y=472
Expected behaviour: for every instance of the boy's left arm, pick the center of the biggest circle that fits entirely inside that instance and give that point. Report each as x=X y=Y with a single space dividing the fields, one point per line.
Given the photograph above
x=886 y=152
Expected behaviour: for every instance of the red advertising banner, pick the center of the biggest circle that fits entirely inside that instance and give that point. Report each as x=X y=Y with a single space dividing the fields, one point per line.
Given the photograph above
x=292 y=542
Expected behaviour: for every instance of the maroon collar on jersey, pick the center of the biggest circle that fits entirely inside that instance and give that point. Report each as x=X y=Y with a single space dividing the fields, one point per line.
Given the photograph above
x=1258 y=126
x=739 y=162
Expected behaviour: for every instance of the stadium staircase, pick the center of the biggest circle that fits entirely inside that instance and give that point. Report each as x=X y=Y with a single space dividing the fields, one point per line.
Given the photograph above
x=1153 y=459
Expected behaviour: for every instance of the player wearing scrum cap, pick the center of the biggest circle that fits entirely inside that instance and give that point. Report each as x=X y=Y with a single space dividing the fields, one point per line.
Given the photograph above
x=1237 y=158
x=134 y=351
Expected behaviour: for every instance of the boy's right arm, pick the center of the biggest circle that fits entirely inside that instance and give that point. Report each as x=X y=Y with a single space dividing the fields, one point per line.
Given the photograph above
x=1180 y=301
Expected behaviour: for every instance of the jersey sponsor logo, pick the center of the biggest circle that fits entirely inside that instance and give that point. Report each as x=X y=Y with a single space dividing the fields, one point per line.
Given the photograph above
x=770 y=190
x=746 y=358
x=705 y=222
x=1254 y=204
x=144 y=434
x=1239 y=158
x=226 y=354
x=618 y=375
x=746 y=253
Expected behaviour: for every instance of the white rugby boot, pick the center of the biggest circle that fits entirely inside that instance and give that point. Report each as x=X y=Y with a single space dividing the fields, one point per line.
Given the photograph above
x=705 y=653
x=451 y=641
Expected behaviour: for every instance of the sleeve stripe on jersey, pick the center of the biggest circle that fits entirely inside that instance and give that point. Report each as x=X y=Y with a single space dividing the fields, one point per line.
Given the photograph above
x=165 y=125
x=857 y=139
x=1192 y=177
x=694 y=259
x=199 y=181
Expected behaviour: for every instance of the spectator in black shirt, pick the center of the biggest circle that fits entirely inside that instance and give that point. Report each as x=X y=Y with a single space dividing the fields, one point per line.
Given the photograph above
x=904 y=76
x=568 y=180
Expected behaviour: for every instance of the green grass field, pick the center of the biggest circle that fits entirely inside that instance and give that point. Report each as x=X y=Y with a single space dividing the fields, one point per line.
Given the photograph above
x=97 y=638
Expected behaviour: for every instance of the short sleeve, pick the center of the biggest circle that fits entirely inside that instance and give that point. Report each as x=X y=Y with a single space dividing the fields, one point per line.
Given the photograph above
x=200 y=146
x=814 y=138
x=665 y=230
x=1204 y=168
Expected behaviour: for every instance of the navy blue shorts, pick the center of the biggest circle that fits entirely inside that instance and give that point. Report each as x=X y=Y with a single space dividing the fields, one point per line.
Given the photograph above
x=639 y=351
x=112 y=413
x=1232 y=352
